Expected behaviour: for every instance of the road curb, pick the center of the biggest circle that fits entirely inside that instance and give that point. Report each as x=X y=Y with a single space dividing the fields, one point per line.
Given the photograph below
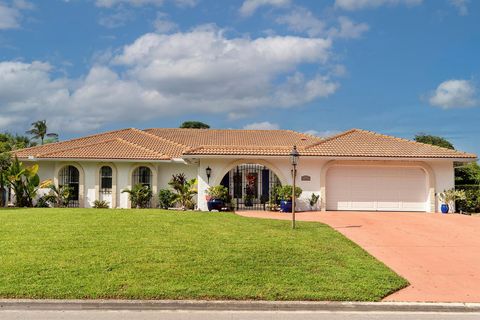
x=66 y=305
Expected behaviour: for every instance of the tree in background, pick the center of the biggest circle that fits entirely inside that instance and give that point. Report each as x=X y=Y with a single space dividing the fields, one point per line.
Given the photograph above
x=5 y=162
x=39 y=130
x=9 y=142
x=194 y=125
x=468 y=175
x=434 y=140
x=24 y=181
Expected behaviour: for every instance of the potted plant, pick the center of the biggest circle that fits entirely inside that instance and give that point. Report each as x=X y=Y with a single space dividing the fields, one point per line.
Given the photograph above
x=313 y=200
x=248 y=200
x=285 y=195
x=217 y=196
x=448 y=198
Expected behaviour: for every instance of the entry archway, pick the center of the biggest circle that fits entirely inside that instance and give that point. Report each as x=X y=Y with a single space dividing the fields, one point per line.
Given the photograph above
x=251 y=186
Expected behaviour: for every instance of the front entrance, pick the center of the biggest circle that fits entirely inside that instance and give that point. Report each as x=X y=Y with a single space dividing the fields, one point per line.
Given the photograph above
x=251 y=187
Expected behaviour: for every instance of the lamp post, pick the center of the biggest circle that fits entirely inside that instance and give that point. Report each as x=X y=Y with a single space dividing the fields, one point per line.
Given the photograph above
x=294 y=155
x=208 y=171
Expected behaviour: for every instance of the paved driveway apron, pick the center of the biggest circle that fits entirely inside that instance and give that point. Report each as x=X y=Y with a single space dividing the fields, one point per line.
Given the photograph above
x=438 y=254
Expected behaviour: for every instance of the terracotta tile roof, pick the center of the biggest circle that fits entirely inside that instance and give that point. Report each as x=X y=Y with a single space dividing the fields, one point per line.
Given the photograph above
x=164 y=144
x=236 y=138
x=136 y=144
x=362 y=143
x=114 y=149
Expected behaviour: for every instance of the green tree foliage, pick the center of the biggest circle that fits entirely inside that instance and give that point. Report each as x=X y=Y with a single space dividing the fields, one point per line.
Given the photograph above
x=39 y=130
x=468 y=175
x=218 y=192
x=139 y=195
x=434 y=140
x=24 y=181
x=185 y=190
x=194 y=125
x=9 y=142
x=58 y=197
x=285 y=192
x=5 y=162
x=166 y=198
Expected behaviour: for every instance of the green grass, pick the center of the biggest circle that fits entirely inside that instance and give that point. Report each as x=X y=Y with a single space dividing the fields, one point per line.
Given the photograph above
x=155 y=254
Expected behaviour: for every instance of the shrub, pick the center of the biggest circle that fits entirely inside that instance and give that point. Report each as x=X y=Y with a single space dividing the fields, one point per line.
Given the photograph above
x=139 y=195
x=42 y=202
x=285 y=192
x=101 y=204
x=471 y=203
x=313 y=200
x=218 y=192
x=166 y=198
x=185 y=190
x=58 y=196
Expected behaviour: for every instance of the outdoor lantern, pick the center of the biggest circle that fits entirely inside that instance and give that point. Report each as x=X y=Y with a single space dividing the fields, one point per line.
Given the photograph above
x=294 y=156
x=209 y=173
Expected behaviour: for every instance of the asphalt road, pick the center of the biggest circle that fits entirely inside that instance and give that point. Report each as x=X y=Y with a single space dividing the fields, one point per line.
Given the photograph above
x=226 y=315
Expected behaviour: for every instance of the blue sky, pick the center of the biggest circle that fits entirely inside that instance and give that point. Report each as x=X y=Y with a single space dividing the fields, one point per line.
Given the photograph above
x=398 y=67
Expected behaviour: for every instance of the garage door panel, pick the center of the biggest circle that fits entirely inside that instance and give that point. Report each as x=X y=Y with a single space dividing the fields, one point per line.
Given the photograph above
x=376 y=188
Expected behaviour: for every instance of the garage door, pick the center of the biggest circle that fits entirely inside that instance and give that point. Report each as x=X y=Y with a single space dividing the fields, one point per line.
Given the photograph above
x=376 y=188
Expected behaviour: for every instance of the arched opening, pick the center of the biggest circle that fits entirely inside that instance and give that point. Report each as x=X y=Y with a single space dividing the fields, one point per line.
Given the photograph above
x=142 y=175
x=106 y=184
x=70 y=176
x=251 y=187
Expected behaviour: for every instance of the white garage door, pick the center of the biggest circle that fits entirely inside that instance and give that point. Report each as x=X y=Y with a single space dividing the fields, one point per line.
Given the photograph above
x=376 y=188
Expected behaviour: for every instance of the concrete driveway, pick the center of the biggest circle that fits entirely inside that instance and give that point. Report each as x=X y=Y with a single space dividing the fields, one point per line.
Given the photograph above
x=438 y=254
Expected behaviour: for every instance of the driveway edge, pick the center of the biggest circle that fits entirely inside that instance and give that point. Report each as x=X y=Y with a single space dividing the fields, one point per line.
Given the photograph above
x=205 y=305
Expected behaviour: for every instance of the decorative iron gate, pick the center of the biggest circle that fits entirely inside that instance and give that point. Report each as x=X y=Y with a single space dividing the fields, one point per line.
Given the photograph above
x=251 y=186
x=69 y=176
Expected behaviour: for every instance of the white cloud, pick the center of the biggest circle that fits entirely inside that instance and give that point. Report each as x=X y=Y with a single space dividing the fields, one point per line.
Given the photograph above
x=23 y=5
x=9 y=17
x=322 y=134
x=117 y=19
x=262 y=126
x=138 y=3
x=302 y=20
x=163 y=24
x=161 y=75
x=348 y=29
x=250 y=6
x=363 y=4
x=454 y=94
x=461 y=6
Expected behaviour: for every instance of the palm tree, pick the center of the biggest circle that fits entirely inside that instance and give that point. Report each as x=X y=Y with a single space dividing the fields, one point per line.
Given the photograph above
x=39 y=131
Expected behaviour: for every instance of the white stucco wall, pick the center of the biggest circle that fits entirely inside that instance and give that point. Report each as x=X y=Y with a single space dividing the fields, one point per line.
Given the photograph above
x=444 y=178
x=281 y=166
x=312 y=167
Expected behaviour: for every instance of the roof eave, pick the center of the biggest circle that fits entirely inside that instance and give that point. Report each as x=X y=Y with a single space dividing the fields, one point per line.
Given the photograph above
x=35 y=159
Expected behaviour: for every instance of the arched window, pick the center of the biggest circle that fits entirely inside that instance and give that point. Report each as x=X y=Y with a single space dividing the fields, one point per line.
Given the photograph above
x=106 y=179
x=142 y=175
x=70 y=176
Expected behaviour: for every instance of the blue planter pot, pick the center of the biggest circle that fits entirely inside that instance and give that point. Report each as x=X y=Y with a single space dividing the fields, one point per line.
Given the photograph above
x=445 y=208
x=215 y=204
x=286 y=206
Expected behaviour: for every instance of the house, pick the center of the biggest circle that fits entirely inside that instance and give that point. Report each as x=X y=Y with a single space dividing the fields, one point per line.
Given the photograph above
x=354 y=170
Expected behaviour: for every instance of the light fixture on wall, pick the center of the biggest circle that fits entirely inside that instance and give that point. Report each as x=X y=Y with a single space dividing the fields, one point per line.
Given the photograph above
x=209 y=173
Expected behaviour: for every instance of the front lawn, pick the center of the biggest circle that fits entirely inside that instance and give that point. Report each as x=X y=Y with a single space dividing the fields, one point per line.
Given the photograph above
x=155 y=254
